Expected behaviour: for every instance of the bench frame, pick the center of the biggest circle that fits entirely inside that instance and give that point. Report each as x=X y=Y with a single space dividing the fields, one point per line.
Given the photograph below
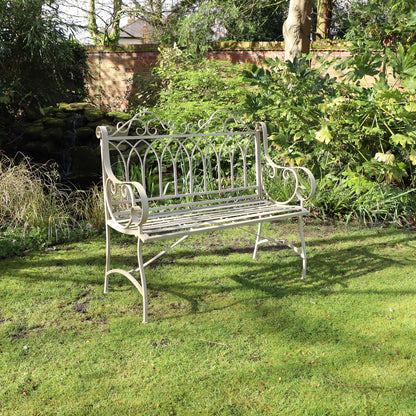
x=196 y=195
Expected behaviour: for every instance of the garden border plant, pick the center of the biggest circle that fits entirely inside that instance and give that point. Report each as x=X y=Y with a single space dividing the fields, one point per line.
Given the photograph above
x=37 y=210
x=359 y=137
x=357 y=130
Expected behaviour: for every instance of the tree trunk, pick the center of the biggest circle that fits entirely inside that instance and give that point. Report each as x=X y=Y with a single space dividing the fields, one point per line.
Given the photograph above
x=297 y=29
x=92 y=23
x=324 y=15
x=114 y=34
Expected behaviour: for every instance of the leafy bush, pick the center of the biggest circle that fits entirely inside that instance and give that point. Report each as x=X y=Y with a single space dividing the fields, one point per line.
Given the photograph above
x=358 y=135
x=39 y=65
x=378 y=23
x=194 y=89
x=357 y=132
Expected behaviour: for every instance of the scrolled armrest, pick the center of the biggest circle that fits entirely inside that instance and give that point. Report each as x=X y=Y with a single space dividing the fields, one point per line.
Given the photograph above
x=126 y=202
x=295 y=182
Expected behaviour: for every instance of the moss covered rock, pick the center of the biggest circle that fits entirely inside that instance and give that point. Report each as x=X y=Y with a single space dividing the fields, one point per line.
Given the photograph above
x=61 y=114
x=53 y=134
x=71 y=107
x=54 y=122
x=118 y=115
x=33 y=132
x=93 y=114
x=85 y=133
x=48 y=111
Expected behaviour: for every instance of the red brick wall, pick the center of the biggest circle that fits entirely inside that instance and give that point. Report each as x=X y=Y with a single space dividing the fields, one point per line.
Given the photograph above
x=112 y=70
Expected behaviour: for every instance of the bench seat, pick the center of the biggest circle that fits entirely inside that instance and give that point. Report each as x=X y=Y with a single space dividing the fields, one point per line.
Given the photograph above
x=175 y=223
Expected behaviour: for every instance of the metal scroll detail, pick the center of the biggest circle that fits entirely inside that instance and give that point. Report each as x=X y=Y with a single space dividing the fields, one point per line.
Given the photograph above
x=290 y=174
x=298 y=174
x=122 y=204
x=148 y=123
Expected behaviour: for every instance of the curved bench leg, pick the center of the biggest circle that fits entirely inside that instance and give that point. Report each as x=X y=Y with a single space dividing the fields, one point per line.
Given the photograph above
x=301 y=252
x=141 y=287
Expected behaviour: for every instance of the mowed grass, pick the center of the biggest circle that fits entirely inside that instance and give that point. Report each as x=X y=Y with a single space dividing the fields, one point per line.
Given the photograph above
x=228 y=335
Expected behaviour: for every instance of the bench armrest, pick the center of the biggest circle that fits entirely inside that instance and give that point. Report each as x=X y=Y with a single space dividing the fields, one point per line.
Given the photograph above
x=126 y=202
x=294 y=183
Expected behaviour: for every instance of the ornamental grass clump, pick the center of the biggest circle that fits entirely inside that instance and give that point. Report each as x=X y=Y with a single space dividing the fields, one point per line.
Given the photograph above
x=34 y=207
x=89 y=205
x=29 y=195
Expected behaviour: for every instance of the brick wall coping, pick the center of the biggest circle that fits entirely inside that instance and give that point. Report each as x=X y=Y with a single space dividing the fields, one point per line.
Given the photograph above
x=226 y=45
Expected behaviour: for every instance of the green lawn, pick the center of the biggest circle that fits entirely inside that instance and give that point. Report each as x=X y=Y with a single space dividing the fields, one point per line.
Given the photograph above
x=228 y=335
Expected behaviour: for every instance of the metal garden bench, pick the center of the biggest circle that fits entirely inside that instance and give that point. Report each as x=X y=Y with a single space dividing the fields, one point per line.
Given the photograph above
x=167 y=181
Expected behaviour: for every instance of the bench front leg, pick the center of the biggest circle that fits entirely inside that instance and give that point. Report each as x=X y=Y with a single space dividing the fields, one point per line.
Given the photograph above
x=143 y=285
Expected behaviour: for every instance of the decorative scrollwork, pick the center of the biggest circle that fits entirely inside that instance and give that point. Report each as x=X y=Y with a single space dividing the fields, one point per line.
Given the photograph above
x=295 y=184
x=123 y=205
x=148 y=123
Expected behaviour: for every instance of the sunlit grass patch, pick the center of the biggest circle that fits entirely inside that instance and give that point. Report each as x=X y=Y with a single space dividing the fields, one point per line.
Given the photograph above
x=227 y=334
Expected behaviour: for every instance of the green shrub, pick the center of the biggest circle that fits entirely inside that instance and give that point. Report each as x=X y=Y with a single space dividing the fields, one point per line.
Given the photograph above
x=191 y=90
x=357 y=136
x=357 y=133
x=39 y=64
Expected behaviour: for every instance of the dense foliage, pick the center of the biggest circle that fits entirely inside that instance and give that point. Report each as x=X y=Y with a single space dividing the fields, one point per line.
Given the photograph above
x=194 y=24
x=39 y=64
x=378 y=22
x=356 y=132
x=189 y=89
x=358 y=137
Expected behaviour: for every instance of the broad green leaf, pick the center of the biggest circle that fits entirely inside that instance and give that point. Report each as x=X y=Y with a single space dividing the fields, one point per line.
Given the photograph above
x=401 y=139
x=323 y=135
x=409 y=83
x=412 y=157
x=386 y=158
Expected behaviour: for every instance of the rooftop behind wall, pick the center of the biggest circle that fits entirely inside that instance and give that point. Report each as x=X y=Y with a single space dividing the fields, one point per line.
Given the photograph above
x=114 y=69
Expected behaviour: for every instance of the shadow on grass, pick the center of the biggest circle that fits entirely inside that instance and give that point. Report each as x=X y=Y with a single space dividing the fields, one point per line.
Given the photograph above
x=330 y=263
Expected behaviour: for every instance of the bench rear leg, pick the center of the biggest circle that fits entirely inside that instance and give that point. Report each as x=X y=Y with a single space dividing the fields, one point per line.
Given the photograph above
x=303 y=251
x=257 y=240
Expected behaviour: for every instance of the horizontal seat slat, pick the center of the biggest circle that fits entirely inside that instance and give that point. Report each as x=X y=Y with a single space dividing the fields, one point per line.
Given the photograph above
x=205 y=202
x=178 y=221
x=191 y=210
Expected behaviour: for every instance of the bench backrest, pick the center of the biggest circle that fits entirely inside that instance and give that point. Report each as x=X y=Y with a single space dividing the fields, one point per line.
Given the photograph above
x=189 y=164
